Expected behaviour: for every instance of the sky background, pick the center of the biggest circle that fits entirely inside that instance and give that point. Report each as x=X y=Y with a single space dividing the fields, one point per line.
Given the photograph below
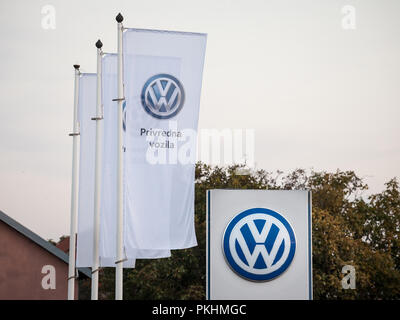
x=317 y=95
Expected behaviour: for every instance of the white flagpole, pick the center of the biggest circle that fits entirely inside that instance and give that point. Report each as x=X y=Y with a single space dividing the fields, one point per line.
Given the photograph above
x=120 y=259
x=97 y=179
x=74 y=191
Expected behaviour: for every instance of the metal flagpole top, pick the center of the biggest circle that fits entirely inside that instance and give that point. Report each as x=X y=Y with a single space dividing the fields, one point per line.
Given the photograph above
x=99 y=44
x=119 y=18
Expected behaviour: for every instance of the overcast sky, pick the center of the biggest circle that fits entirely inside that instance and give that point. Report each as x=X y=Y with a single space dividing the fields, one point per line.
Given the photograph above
x=317 y=94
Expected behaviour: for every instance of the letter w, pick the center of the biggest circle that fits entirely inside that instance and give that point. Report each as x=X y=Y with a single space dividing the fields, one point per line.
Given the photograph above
x=163 y=95
x=260 y=248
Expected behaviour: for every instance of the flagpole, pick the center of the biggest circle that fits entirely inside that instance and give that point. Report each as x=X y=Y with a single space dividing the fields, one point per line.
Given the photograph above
x=120 y=259
x=74 y=191
x=97 y=179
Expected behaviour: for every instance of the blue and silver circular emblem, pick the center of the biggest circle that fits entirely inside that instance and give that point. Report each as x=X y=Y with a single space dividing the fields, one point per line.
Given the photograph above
x=162 y=96
x=259 y=244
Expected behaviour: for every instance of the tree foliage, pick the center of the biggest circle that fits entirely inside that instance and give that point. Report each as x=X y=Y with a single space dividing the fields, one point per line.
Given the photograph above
x=348 y=229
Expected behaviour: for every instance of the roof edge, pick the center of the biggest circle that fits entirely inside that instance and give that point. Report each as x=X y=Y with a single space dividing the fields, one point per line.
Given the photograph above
x=40 y=241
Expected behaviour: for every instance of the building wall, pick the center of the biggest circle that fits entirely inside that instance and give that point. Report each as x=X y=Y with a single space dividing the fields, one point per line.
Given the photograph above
x=21 y=265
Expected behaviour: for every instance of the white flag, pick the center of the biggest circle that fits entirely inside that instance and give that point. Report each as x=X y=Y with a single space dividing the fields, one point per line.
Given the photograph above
x=87 y=110
x=108 y=211
x=162 y=85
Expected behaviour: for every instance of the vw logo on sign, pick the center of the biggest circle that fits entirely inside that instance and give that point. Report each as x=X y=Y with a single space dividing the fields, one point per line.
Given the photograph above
x=259 y=244
x=162 y=96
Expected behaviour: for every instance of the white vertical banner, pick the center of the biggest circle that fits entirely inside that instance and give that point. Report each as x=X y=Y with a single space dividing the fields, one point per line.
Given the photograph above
x=87 y=110
x=162 y=86
x=108 y=220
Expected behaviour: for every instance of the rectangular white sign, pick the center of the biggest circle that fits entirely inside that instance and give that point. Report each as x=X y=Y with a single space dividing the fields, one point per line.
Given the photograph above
x=259 y=245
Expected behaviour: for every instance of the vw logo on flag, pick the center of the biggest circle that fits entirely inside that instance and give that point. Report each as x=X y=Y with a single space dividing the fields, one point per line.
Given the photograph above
x=259 y=244
x=162 y=96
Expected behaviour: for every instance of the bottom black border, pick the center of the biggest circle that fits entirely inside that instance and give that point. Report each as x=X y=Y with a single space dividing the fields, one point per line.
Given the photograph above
x=238 y=309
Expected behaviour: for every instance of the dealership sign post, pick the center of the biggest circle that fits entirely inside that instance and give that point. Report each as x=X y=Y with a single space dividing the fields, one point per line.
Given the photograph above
x=259 y=244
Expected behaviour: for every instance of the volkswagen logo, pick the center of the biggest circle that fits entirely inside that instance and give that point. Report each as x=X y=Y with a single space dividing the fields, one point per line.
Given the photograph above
x=259 y=244
x=162 y=96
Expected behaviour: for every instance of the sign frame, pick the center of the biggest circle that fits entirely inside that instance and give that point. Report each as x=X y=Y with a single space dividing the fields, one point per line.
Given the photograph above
x=214 y=257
